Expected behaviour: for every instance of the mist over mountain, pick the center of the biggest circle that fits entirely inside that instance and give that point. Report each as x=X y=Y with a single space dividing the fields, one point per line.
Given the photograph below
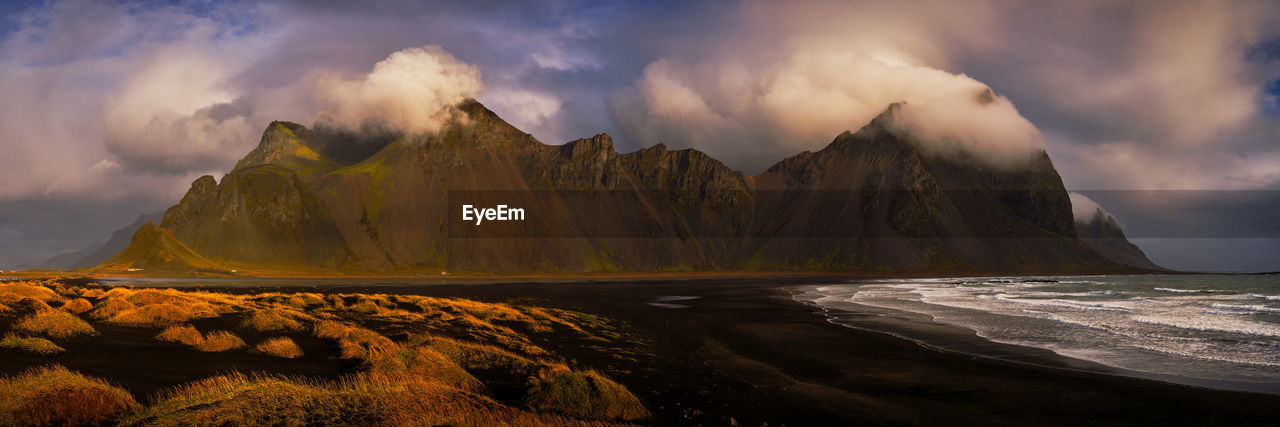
x=329 y=199
x=1102 y=232
x=98 y=252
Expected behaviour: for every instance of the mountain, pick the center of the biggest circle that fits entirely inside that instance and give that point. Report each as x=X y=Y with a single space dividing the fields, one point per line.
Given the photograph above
x=98 y=252
x=68 y=260
x=155 y=249
x=1103 y=234
x=332 y=200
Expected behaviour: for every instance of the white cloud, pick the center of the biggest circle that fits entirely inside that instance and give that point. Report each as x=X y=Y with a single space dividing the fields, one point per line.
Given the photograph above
x=1083 y=208
x=754 y=115
x=173 y=113
x=531 y=111
x=408 y=91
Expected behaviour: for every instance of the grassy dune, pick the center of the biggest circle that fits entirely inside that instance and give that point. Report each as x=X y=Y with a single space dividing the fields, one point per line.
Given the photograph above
x=416 y=360
x=53 y=395
x=30 y=344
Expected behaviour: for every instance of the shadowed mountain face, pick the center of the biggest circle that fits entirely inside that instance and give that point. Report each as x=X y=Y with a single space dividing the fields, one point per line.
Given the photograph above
x=1103 y=234
x=375 y=201
x=98 y=252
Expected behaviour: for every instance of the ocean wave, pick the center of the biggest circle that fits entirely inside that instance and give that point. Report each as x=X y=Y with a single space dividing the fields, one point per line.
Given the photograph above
x=1064 y=303
x=1214 y=356
x=1248 y=308
x=1211 y=324
x=1179 y=291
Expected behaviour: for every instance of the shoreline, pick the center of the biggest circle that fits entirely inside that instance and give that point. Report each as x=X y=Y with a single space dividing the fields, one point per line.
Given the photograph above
x=609 y=276
x=922 y=330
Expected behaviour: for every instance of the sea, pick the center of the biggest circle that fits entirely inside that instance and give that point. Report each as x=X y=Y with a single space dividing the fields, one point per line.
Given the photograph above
x=1220 y=331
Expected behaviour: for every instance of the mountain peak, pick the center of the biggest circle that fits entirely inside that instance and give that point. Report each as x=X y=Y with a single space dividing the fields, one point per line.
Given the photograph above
x=281 y=142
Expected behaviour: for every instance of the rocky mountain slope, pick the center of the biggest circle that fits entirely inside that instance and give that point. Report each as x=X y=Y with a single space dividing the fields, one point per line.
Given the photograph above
x=1103 y=234
x=329 y=200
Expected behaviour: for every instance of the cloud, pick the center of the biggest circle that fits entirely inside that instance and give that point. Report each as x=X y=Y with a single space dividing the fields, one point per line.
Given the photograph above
x=149 y=128
x=410 y=91
x=752 y=115
x=1083 y=208
x=532 y=111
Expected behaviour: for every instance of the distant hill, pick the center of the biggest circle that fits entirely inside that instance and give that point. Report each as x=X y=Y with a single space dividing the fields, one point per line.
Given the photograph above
x=154 y=249
x=98 y=252
x=308 y=199
x=68 y=260
x=1103 y=234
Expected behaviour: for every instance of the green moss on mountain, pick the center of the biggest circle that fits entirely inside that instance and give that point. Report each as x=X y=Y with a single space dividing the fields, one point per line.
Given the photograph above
x=376 y=201
x=156 y=249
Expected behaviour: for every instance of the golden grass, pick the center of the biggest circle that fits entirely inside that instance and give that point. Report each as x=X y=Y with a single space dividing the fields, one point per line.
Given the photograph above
x=368 y=307
x=154 y=315
x=216 y=341
x=78 y=306
x=482 y=356
x=29 y=289
x=183 y=334
x=238 y=399
x=360 y=343
x=30 y=304
x=53 y=395
x=427 y=363
x=110 y=308
x=279 y=347
x=30 y=344
x=213 y=342
x=272 y=320
x=154 y=296
x=330 y=329
x=54 y=324
x=426 y=379
x=304 y=300
x=583 y=394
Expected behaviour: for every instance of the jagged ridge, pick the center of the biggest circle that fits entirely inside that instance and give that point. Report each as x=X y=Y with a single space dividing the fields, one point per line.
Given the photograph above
x=296 y=202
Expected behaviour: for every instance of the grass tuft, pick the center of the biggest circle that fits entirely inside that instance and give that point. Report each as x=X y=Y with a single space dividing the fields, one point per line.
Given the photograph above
x=28 y=289
x=78 y=305
x=238 y=399
x=30 y=344
x=110 y=308
x=54 y=324
x=583 y=394
x=279 y=347
x=216 y=341
x=183 y=334
x=155 y=315
x=53 y=395
x=271 y=320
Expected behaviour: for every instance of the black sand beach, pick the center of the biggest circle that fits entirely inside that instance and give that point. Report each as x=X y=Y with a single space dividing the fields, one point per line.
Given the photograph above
x=745 y=352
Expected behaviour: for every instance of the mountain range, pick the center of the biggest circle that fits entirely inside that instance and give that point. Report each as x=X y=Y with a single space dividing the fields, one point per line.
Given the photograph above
x=374 y=201
x=99 y=252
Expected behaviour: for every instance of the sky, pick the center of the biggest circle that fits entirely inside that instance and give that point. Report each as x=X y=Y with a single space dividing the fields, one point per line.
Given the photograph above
x=110 y=110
